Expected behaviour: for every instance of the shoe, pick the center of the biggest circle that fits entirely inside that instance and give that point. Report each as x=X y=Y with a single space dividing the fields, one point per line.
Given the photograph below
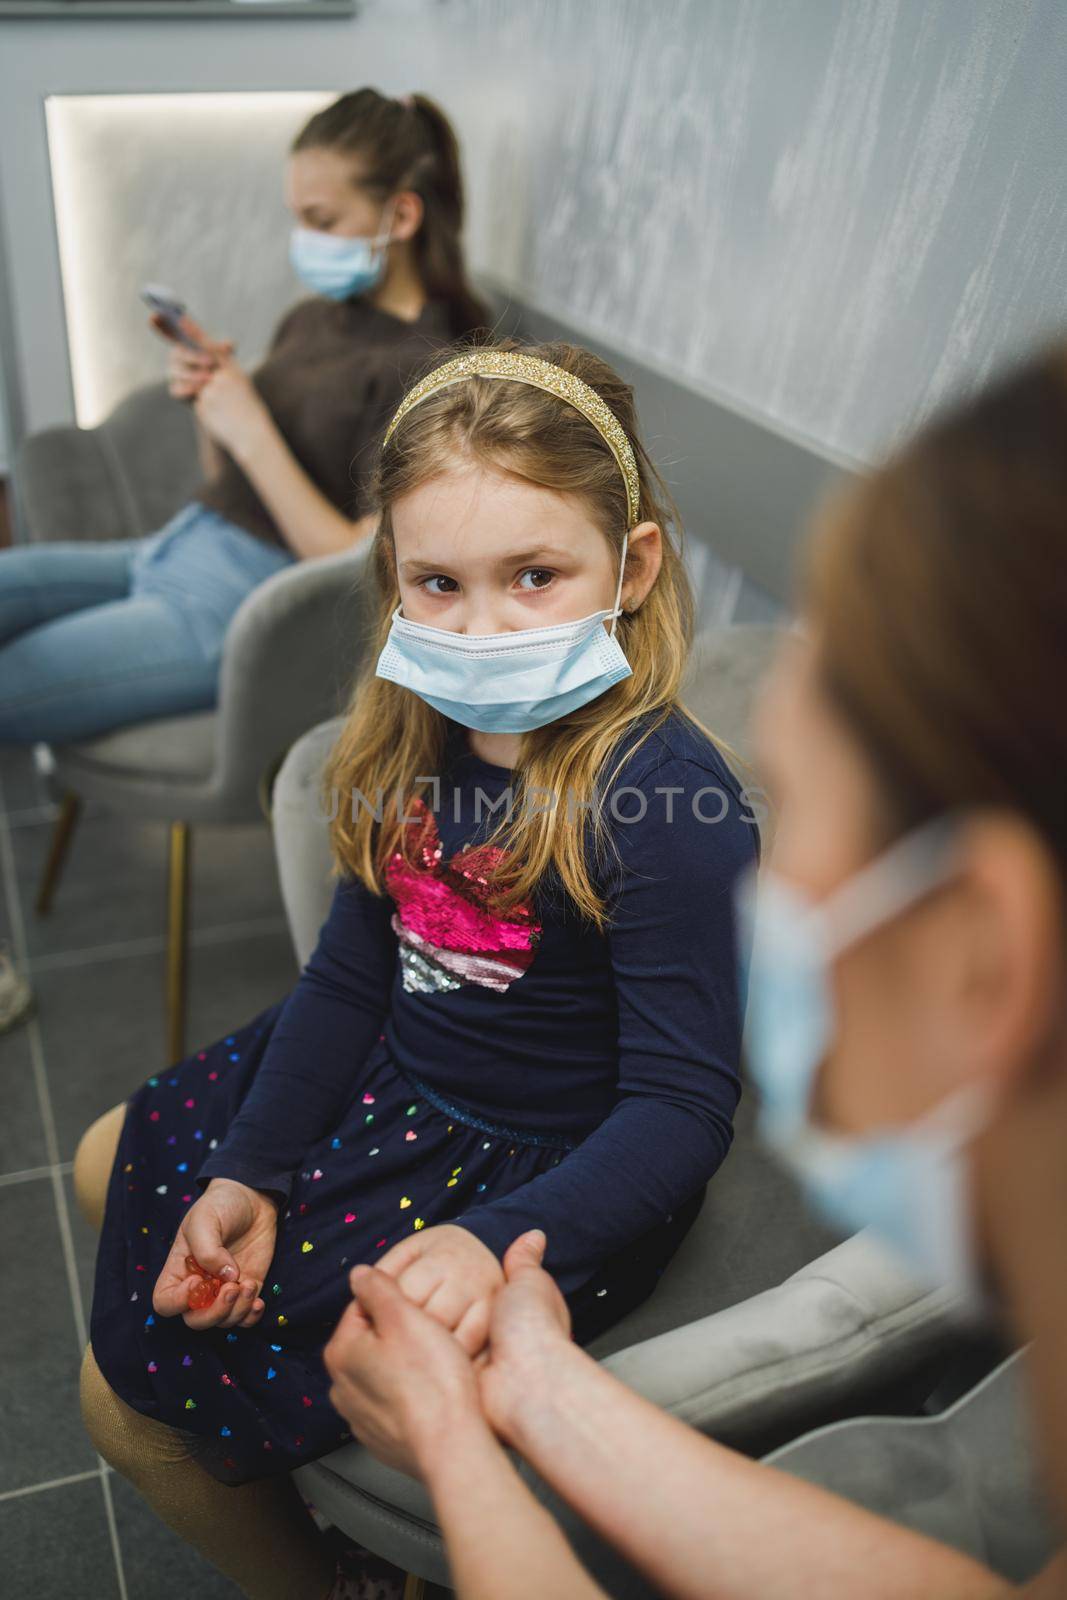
x=44 y=770
x=367 y=1578
x=361 y=1575
x=16 y=996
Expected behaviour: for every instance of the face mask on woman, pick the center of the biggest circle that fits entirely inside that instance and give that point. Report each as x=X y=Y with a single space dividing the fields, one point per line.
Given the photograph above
x=339 y=267
x=908 y=1185
x=507 y=682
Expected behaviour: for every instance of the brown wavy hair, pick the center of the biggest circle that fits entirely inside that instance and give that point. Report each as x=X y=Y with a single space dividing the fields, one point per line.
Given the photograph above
x=391 y=736
x=938 y=591
x=408 y=146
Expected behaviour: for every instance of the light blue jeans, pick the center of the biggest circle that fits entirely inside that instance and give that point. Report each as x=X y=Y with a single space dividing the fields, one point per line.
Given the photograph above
x=96 y=635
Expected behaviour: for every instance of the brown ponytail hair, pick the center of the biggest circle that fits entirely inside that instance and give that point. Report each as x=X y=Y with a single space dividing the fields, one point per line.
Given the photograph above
x=408 y=144
x=938 y=592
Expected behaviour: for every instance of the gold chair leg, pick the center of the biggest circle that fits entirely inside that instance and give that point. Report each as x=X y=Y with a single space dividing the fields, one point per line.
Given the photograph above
x=177 y=937
x=414 y=1588
x=69 y=812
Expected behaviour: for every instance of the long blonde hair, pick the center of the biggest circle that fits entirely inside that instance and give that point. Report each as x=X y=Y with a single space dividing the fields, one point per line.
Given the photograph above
x=391 y=736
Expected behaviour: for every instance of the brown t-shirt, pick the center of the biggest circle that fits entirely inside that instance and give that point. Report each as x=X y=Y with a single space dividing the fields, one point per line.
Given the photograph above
x=335 y=373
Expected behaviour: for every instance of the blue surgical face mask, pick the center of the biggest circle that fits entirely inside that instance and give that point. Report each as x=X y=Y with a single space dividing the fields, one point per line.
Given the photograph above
x=339 y=267
x=507 y=682
x=908 y=1185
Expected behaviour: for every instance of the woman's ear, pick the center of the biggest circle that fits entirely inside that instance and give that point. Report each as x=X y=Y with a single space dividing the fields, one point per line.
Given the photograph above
x=644 y=557
x=407 y=216
x=1012 y=979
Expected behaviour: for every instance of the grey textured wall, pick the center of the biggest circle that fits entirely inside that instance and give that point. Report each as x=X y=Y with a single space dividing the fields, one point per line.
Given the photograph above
x=830 y=212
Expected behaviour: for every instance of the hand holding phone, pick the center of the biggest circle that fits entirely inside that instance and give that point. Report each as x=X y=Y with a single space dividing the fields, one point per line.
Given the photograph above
x=194 y=356
x=170 y=318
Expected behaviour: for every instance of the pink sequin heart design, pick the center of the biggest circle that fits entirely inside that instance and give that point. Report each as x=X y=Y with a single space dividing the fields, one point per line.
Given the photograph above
x=448 y=936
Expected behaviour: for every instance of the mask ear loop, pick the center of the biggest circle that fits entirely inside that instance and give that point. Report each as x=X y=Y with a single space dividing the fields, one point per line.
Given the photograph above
x=617 y=611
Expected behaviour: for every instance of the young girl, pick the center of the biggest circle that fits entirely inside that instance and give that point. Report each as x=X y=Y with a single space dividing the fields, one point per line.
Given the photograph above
x=522 y=1010
x=97 y=635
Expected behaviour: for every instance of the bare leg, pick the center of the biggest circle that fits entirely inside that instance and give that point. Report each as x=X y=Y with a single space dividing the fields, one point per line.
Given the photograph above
x=259 y=1534
x=93 y=1161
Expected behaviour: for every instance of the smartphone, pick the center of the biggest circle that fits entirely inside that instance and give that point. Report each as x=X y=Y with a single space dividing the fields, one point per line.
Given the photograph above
x=171 y=312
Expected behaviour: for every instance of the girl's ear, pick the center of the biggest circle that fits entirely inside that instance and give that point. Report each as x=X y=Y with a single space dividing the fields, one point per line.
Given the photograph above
x=644 y=557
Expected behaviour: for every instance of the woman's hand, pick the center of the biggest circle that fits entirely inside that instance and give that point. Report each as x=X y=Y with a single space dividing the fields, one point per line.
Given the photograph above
x=529 y=1327
x=230 y=408
x=187 y=369
x=231 y=1232
x=452 y=1275
x=400 y=1380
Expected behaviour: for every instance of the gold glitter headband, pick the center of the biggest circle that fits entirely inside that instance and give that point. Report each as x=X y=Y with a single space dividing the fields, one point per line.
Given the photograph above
x=542 y=375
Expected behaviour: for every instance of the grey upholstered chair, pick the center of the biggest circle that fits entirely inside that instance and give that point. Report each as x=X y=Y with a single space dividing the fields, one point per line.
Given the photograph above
x=763 y=1323
x=966 y=1475
x=290 y=654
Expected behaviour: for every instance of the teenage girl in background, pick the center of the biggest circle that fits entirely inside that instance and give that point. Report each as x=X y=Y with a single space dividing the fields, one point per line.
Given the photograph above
x=97 y=635
x=523 y=1008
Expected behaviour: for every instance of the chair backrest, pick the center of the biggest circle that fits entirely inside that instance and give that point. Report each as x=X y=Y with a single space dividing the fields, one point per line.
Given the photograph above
x=727 y=665
x=301 y=837
x=117 y=481
x=151 y=438
x=967 y=1477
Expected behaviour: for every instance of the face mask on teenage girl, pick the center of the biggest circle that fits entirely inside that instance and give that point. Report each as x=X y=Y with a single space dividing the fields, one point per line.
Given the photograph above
x=507 y=682
x=339 y=267
x=908 y=1185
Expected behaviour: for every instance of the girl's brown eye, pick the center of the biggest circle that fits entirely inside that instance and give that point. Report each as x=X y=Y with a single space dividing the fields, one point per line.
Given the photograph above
x=540 y=573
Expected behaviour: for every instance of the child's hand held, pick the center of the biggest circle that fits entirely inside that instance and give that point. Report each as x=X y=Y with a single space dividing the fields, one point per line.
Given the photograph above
x=452 y=1275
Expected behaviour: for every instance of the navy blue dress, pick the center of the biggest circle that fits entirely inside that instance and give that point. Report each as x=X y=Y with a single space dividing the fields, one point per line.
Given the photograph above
x=438 y=1063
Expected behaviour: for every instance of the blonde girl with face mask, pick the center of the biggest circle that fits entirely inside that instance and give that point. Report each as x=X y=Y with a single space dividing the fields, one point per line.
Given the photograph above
x=523 y=1009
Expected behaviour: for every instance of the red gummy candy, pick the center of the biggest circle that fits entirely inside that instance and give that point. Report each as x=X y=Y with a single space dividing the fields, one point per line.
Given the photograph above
x=205 y=1292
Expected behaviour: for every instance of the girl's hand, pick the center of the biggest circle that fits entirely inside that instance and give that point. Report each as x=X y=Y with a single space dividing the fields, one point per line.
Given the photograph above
x=450 y=1274
x=401 y=1382
x=231 y=1232
x=529 y=1330
x=230 y=408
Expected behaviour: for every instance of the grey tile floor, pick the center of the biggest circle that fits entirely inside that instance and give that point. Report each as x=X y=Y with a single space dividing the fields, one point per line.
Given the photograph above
x=70 y=1525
